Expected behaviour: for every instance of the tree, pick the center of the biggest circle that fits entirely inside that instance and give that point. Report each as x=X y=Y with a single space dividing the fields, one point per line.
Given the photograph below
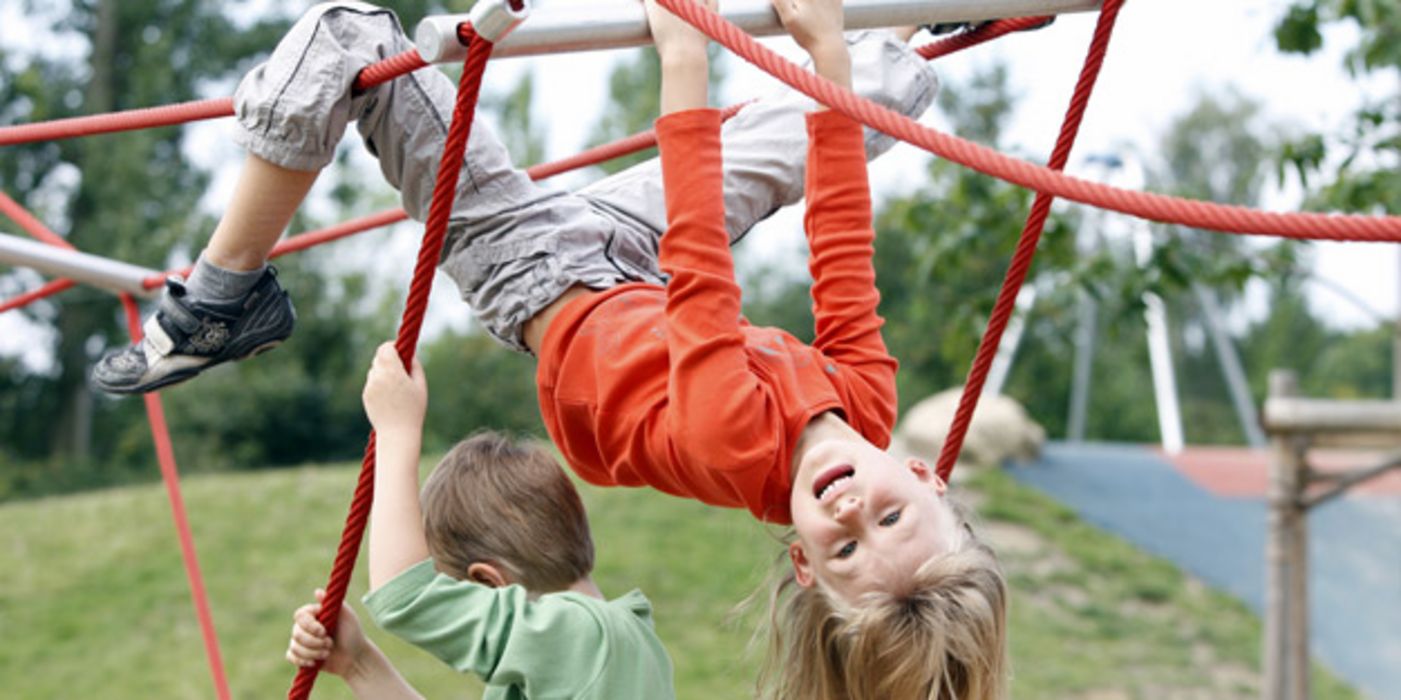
x=1361 y=170
x=132 y=196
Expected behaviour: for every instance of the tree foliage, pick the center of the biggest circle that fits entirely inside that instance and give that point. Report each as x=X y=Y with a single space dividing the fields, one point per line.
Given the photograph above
x=1359 y=170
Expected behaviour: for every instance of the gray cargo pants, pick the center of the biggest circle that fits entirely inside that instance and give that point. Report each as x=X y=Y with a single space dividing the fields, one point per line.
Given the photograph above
x=514 y=246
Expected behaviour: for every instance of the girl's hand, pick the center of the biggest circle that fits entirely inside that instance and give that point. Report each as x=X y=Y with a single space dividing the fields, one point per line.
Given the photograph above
x=674 y=38
x=310 y=643
x=395 y=400
x=815 y=24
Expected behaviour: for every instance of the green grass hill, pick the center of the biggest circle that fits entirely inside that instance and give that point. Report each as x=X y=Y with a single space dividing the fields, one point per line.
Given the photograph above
x=94 y=602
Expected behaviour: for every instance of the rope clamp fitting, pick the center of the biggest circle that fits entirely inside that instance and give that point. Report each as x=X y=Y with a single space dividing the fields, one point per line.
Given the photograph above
x=437 y=37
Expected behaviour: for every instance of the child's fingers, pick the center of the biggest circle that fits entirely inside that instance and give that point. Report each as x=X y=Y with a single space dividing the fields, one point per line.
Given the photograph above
x=305 y=618
x=310 y=641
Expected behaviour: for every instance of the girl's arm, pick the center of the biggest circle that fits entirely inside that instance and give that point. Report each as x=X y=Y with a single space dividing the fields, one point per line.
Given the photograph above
x=838 y=220
x=719 y=415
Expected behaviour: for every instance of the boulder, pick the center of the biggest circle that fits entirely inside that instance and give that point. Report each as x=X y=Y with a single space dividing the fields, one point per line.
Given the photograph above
x=1001 y=430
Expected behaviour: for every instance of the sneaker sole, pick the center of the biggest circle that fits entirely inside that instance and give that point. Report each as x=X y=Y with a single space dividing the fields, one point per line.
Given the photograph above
x=179 y=376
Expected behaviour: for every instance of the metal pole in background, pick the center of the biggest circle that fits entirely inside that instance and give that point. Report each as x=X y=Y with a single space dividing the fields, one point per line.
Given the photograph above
x=574 y=25
x=112 y=275
x=1231 y=368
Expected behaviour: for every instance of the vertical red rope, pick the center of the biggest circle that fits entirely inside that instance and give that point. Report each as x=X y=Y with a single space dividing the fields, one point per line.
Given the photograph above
x=165 y=455
x=444 y=190
x=1026 y=246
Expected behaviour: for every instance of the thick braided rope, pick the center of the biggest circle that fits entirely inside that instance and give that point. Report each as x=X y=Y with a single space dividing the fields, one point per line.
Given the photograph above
x=165 y=456
x=169 y=115
x=46 y=290
x=444 y=189
x=1026 y=246
x=1154 y=207
x=983 y=33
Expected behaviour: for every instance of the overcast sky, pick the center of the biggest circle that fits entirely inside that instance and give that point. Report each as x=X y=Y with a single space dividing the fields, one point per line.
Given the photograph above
x=1164 y=53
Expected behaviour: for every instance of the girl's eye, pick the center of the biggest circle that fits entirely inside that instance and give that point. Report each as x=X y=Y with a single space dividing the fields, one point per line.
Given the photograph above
x=847 y=550
x=890 y=520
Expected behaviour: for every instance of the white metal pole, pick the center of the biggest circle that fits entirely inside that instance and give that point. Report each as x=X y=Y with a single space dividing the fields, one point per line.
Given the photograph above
x=1231 y=367
x=112 y=275
x=571 y=25
x=1087 y=317
x=1160 y=353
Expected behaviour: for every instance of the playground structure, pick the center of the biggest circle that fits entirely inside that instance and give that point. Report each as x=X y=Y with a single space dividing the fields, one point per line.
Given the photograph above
x=491 y=23
x=1296 y=425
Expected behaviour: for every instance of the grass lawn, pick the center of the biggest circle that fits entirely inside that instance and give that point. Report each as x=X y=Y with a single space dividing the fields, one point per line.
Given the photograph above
x=94 y=603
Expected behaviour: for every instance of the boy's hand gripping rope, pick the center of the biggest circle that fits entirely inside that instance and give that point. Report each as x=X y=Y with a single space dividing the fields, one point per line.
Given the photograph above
x=444 y=190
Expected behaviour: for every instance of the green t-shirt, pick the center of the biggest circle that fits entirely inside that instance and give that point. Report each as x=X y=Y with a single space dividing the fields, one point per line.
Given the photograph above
x=556 y=647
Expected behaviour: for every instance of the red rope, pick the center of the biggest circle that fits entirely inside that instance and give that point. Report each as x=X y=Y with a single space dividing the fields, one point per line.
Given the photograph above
x=444 y=189
x=30 y=224
x=147 y=118
x=300 y=242
x=165 y=455
x=184 y=112
x=47 y=290
x=1154 y=207
x=1026 y=246
x=389 y=69
x=982 y=33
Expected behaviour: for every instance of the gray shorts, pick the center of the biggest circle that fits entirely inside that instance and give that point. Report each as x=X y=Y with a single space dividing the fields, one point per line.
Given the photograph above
x=514 y=246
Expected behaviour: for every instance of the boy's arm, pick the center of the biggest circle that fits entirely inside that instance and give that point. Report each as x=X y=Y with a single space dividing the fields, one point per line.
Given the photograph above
x=498 y=634
x=396 y=403
x=375 y=678
x=350 y=654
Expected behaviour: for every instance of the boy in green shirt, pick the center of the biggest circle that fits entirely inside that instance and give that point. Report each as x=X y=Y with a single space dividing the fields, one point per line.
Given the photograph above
x=491 y=573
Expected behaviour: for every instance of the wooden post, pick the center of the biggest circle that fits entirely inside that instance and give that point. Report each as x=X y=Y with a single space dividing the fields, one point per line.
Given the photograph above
x=1286 y=662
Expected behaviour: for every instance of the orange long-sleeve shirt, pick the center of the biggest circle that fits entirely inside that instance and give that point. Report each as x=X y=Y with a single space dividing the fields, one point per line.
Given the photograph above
x=672 y=388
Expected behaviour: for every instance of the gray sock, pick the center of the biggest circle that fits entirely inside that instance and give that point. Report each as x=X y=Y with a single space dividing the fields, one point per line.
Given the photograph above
x=209 y=281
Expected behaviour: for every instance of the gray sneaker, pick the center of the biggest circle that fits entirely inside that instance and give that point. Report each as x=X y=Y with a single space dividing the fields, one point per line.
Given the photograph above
x=187 y=336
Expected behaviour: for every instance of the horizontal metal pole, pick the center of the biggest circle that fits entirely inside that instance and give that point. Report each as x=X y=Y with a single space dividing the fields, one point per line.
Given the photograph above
x=571 y=25
x=112 y=275
x=1294 y=415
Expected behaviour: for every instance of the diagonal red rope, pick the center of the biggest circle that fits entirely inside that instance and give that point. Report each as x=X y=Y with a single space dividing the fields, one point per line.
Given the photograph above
x=165 y=456
x=983 y=33
x=1144 y=205
x=1026 y=246
x=444 y=189
x=47 y=290
x=169 y=115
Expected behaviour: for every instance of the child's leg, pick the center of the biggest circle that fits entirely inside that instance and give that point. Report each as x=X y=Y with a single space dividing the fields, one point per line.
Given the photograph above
x=766 y=143
x=512 y=246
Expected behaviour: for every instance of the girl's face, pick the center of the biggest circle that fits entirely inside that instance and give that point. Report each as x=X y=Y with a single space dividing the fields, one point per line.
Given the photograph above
x=865 y=520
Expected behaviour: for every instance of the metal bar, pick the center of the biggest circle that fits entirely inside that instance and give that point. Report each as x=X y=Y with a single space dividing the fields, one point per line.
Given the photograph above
x=1343 y=482
x=565 y=26
x=1231 y=367
x=112 y=275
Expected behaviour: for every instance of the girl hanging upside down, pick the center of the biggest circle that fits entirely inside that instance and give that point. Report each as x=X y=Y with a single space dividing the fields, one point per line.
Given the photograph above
x=648 y=374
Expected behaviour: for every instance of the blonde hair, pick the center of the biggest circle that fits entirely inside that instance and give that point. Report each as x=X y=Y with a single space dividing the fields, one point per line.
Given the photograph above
x=944 y=637
x=492 y=499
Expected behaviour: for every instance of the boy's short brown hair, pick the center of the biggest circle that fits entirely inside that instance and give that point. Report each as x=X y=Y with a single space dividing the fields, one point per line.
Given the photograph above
x=494 y=499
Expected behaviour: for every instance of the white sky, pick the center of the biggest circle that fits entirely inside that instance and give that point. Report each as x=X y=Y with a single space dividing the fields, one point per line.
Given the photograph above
x=1163 y=54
